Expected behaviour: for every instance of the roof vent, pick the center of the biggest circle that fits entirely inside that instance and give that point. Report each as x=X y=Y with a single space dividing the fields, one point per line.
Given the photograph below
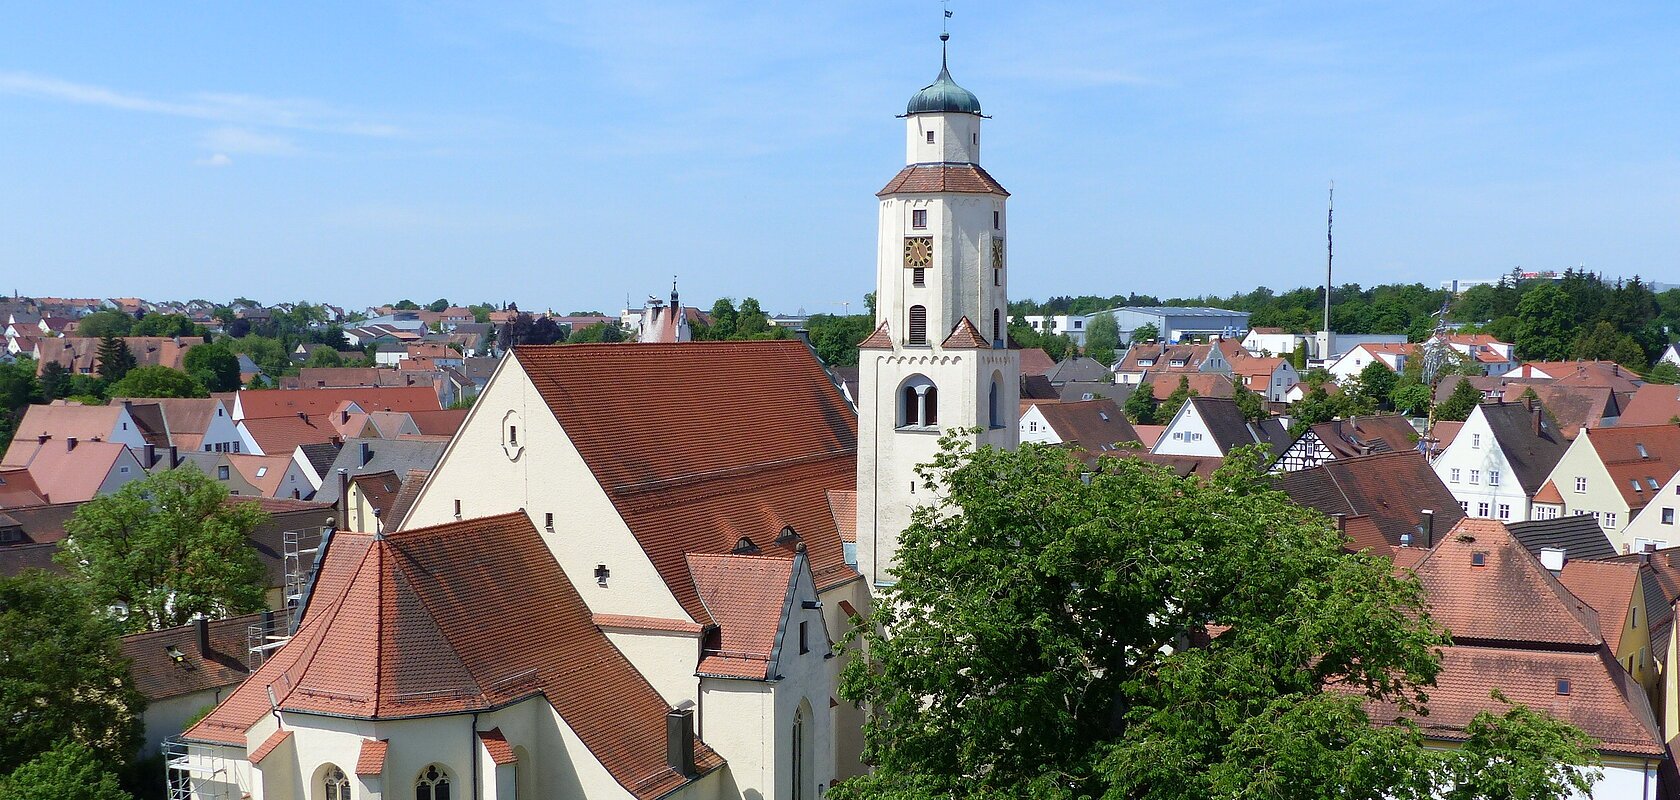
x=1553 y=558
x=1478 y=559
x=1563 y=686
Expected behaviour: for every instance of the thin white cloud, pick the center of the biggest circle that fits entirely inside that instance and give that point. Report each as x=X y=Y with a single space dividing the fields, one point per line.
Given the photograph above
x=236 y=109
x=215 y=160
x=245 y=140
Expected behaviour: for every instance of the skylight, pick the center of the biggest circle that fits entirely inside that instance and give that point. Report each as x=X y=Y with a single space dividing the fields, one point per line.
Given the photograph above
x=261 y=471
x=1641 y=449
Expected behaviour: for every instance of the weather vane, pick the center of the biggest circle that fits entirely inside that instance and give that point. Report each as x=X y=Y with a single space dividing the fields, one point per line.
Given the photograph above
x=944 y=29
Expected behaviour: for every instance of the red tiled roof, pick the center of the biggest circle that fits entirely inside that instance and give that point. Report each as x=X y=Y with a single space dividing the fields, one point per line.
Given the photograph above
x=748 y=597
x=842 y=503
x=965 y=336
x=1633 y=472
x=1034 y=361
x=1603 y=700
x=268 y=745
x=282 y=435
x=929 y=178
x=881 y=339
x=633 y=622
x=379 y=490
x=439 y=423
x=1549 y=494
x=159 y=676
x=1095 y=425
x=1204 y=384
x=288 y=402
x=497 y=746
x=392 y=631
x=1391 y=488
x=371 y=760
x=1511 y=599
x=1609 y=588
x=1652 y=404
x=62 y=475
x=701 y=444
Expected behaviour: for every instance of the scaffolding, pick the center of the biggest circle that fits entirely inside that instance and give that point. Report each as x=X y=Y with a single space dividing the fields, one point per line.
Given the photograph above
x=196 y=772
x=300 y=551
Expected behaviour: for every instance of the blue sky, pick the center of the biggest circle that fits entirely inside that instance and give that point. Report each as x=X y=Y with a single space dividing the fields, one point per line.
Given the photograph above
x=569 y=154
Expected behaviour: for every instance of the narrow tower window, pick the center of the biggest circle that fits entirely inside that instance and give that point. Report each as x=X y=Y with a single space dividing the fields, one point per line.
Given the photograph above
x=930 y=137
x=997 y=220
x=918 y=218
x=918 y=325
x=997 y=325
x=918 y=276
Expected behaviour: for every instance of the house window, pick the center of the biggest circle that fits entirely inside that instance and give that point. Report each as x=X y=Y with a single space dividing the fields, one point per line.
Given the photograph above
x=1475 y=441
x=930 y=137
x=1493 y=477
x=1504 y=511
x=1580 y=485
x=433 y=784
x=457 y=508
x=798 y=751
x=919 y=403
x=235 y=447
x=1482 y=510
x=548 y=522
x=1475 y=477
x=123 y=470
x=976 y=138
x=918 y=325
x=335 y=784
x=918 y=218
x=221 y=473
x=1610 y=519
x=997 y=277
x=207 y=448
x=513 y=435
x=1668 y=516
x=804 y=640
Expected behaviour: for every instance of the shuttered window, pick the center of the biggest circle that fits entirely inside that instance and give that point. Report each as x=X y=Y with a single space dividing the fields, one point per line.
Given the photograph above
x=918 y=325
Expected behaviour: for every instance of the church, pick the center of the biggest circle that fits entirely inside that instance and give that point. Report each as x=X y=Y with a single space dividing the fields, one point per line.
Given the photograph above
x=627 y=575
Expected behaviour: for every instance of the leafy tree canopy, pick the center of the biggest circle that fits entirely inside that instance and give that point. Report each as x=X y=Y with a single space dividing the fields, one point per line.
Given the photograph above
x=69 y=771
x=1102 y=338
x=166 y=547
x=1035 y=645
x=61 y=673
x=1458 y=405
x=157 y=381
x=1664 y=372
x=214 y=365
x=101 y=324
x=1141 y=406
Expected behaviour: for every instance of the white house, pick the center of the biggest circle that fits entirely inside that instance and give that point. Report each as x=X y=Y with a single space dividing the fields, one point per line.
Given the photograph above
x=1211 y=426
x=1500 y=460
x=1491 y=355
x=1393 y=356
x=1272 y=341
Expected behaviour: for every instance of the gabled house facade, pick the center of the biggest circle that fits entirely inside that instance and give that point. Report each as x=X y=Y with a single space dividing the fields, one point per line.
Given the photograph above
x=1500 y=460
x=1210 y=426
x=1615 y=473
x=1347 y=438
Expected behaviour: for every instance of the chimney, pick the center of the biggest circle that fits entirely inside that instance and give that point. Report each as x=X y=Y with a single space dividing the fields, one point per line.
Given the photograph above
x=1553 y=559
x=69 y=443
x=1428 y=528
x=343 y=499
x=679 y=741
x=151 y=455
x=201 y=628
x=344 y=417
x=1534 y=411
x=1341 y=522
x=367 y=454
x=174 y=459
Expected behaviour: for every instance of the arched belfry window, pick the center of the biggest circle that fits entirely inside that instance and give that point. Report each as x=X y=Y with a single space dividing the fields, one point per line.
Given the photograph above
x=433 y=784
x=994 y=408
x=918 y=404
x=918 y=325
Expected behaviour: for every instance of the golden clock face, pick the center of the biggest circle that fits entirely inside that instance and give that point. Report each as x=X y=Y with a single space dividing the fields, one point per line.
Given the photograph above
x=997 y=254
x=918 y=251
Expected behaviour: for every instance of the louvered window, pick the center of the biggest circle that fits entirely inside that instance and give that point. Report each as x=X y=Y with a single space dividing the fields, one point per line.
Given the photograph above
x=918 y=325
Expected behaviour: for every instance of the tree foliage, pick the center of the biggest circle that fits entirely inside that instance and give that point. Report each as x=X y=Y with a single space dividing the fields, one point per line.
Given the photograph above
x=62 y=675
x=1045 y=638
x=1545 y=321
x=69 y=771
x=115 y=359
x=1169 y=407
x=214 y=366
x=101 y=324
x=1664 y=372
x=1458 y=405
x=1249 y=402
x=167 y=548
x=157 y=381
x=1141 y=406
x=1102 y=338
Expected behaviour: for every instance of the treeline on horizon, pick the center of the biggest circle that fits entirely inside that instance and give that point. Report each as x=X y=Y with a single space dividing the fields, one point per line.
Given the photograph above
x=1582 y=315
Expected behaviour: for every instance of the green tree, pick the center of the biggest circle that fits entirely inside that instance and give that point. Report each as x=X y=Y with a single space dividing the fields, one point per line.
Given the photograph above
x=1545 y=319
x=1664 y=372
x=55 y=381
x=723 y=320
x=165 y=325
x=1604 y=342
x=269 y=354
x=167 y=547
x=1140 y=406
x=406 y=305
x=69 y=771
x=1146 y=332
x=1072 y=679
x=1376 y=383
x=836 y=338
x=1169 y=407
x=214 y=366
x=1316 y=406
x=157 y=381
x=1410 y=397
x=1458 y=405
x=750 y=321
x=101 y=324
x=438 y=304
x=115 y=359
x=1102 y=338
x=1249 y=402
x=324 y=357
x=599 y=332
x=62 y=674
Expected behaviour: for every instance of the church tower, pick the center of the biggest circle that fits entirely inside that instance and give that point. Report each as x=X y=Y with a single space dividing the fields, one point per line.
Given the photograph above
x=939 y=358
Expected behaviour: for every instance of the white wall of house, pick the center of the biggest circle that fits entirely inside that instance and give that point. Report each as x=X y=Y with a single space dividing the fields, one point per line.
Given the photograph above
x=1275 y=344
x=1478 y=474
x=126 y=468
x=1187 y=435
x=221 y=431
x=1587 y=488
x=1358 y=358
x=1034 y=428
x=1656 y=523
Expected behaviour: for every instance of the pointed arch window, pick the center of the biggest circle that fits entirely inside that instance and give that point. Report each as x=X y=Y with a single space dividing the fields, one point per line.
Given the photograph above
x=918 y=325
x=335 y=784
x=994 y=410
x=433 y=784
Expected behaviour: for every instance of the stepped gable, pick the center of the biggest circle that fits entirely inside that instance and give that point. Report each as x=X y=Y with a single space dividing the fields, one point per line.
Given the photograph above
x=455 y=618
x=1509 y=600
x=701 y=444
